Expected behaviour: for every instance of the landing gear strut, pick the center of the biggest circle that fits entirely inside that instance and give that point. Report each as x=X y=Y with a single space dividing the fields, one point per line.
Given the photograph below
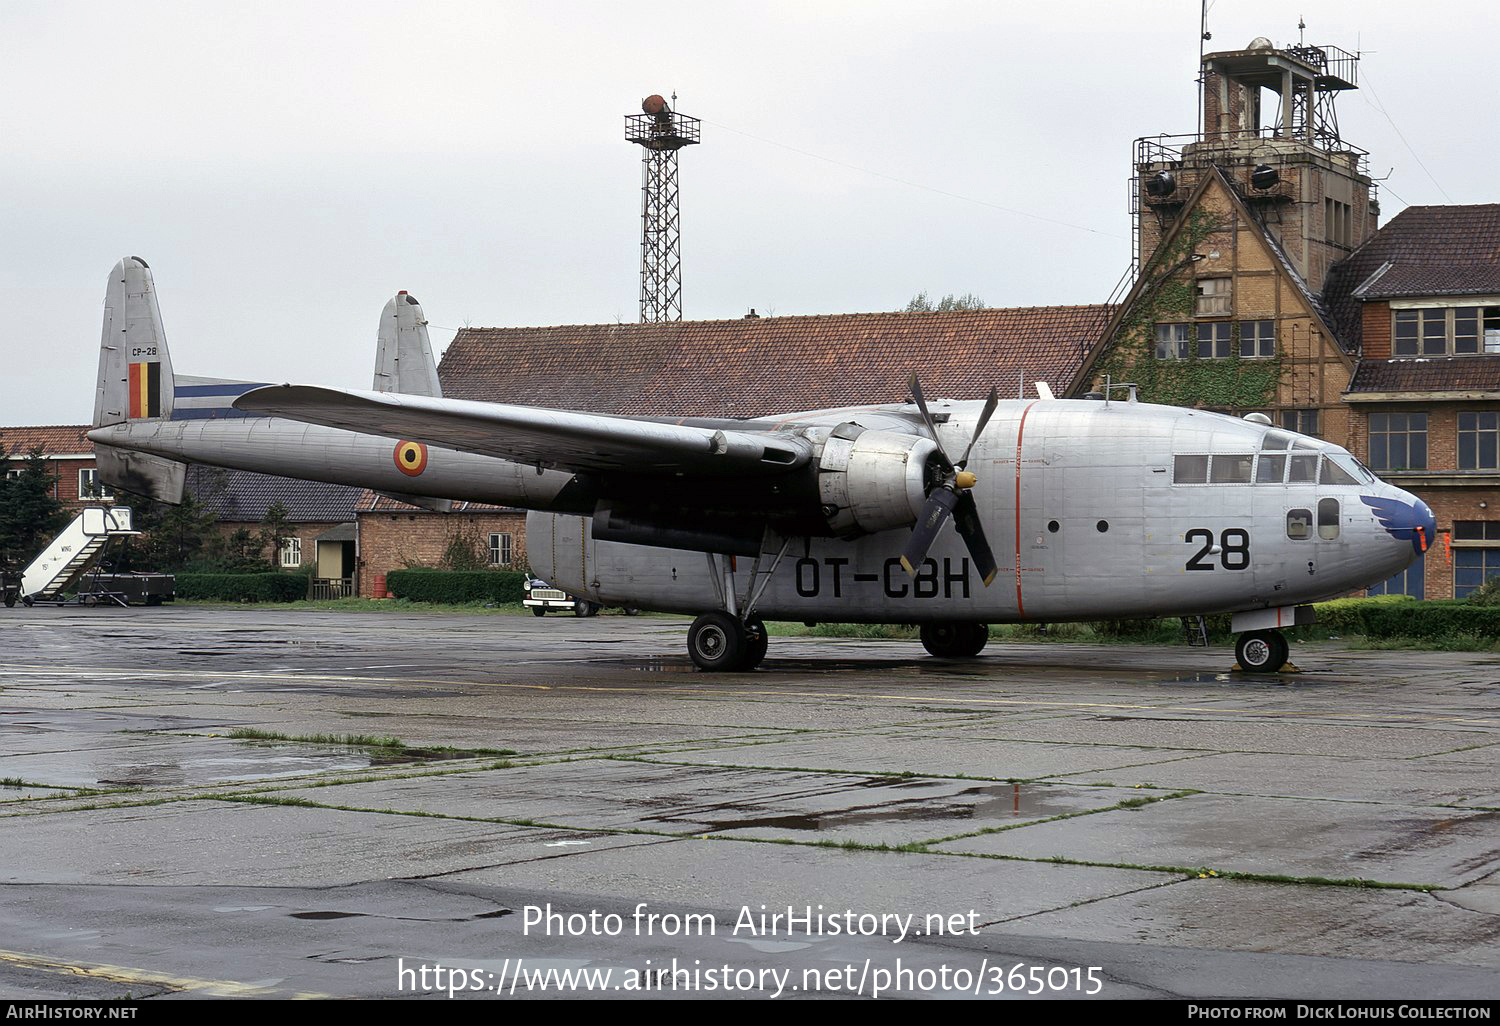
x=1262 y=651
x=955 y=640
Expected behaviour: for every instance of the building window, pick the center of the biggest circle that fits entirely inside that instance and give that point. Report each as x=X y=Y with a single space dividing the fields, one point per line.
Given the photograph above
x=500 y=550
x=1257 y=338
x=1479 y=441
x=90 y=487
x=1213 y=297
x=1407 y=582
x=1213 y=340
x=1304 y=422
x=1398 y=441
x=291 y=552
x=1471 y=568
x=1173 y=341
x=1444 y=331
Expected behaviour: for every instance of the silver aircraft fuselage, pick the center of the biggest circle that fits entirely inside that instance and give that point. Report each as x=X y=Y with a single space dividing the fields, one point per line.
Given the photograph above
x=1093 y=509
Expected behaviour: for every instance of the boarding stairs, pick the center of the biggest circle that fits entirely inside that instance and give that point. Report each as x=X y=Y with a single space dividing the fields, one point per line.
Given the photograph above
x=71 y=553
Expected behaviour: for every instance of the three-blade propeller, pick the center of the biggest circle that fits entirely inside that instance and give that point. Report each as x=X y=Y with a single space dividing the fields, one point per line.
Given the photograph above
x=950 y=496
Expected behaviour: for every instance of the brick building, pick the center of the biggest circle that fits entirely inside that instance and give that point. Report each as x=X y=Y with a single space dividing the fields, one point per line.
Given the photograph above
x=1266 y=286
x=1420 y=303
x=320 y=520
x=394 y=535
x=70 y=458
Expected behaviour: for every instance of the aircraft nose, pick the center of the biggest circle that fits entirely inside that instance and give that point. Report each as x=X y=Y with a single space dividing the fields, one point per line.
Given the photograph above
x=1404 y=517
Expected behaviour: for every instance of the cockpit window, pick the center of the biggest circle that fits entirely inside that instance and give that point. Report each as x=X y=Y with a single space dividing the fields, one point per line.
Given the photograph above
x=1335 y=474
x=1231 y=469
x=1190 y=470
x=1352 y=467
x=1276 y=440
x=1303 y=469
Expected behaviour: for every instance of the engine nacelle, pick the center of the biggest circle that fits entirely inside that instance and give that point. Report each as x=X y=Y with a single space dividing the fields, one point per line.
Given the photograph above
x=871 y=481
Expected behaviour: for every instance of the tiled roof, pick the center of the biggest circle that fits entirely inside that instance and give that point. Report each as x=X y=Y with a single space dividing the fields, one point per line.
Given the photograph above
x=1432 y=251
x=55 y=441
x=244 y=497
x=1437 y=374
x=374 y=502
x=759 y=366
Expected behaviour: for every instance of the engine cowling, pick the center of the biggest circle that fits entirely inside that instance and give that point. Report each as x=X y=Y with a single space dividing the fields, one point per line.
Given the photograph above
x=870 y=480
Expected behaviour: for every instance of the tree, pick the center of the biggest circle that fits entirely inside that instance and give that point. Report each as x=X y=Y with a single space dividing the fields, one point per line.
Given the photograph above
x=173 y=535
x=29 y=513
x=949 y=303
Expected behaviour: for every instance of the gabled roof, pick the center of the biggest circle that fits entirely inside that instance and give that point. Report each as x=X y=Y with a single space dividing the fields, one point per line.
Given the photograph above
x=240 y=496
x=1152 y=275
x=1422 y=251
x=759 y=366
x=71 y=440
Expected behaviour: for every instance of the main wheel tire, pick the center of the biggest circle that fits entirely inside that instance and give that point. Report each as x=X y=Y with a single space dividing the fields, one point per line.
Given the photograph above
x=538 y=611
x=756 y=643
x=954 y=640
x=1262 y=651
x=717 y=643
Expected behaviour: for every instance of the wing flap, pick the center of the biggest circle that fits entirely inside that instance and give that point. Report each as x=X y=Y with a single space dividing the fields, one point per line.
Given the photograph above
x=533 y=435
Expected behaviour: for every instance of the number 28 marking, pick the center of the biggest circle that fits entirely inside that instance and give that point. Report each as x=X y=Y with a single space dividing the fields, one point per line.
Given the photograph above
x=1234 y=548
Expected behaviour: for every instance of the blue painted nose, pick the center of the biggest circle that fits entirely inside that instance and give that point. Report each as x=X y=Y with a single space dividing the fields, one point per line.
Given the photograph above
x=1404 y=517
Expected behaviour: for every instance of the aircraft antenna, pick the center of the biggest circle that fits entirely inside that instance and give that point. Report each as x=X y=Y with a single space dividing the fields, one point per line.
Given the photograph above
x=660 y=132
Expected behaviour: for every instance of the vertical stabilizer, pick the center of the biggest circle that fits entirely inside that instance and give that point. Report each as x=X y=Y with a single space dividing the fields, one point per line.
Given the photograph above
x=135 y=372
x=403 y=353
x=135 y=382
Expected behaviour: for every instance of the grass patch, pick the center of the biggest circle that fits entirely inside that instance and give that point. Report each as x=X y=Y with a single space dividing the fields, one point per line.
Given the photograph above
x=350 y=740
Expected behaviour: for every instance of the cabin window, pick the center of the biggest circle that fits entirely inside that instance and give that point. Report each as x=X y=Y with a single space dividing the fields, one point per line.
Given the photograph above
x=1271 y=469
x=1257 y=339
x=1299 y=524
x=1231 y=469
x=1302 y=468
x=1328 y=519
x=1190 y=470
x=1398 y=441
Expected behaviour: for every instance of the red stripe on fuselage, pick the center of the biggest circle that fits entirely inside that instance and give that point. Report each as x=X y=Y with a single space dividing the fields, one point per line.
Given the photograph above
x=1020 y=431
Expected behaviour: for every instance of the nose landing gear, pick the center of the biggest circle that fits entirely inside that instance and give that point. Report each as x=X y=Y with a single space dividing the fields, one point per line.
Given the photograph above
x=1262 y=651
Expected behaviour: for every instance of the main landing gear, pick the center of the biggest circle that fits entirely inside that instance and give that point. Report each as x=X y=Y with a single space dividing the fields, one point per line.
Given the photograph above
x=1262 y=651
x=955 y=640
x=722 y=643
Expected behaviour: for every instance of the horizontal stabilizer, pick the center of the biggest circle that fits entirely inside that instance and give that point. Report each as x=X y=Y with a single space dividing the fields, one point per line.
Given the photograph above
x=531 y=435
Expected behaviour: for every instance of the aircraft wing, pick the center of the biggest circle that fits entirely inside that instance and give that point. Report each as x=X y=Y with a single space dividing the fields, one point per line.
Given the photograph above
x=535 y=436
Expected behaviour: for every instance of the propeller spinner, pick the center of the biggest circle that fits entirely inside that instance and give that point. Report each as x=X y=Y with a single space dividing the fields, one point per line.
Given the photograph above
x=950 y=495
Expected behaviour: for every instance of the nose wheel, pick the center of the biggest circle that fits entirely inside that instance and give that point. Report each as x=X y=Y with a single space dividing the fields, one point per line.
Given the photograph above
x=1262 y=651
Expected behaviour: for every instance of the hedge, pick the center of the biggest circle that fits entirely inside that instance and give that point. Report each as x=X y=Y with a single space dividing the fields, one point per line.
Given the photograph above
x=243 y=587
x=1431 y=621
x=456 y=586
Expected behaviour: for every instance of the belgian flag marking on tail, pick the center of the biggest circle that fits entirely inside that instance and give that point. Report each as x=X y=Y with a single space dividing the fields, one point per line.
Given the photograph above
x=410 y=457
x=145 y=390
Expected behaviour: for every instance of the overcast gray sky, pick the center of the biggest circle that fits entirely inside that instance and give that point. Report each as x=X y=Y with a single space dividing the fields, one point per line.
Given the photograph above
x=286 y=167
